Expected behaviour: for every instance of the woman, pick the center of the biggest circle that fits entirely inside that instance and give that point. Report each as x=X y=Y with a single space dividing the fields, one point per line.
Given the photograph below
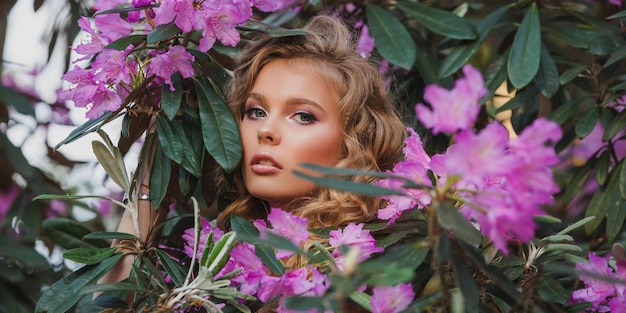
x=301 y=99
x=310 y=99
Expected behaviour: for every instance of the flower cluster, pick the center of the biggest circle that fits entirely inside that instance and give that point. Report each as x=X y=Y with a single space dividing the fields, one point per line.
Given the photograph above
x=254 y=278
x=501 y=183
x=605 y=285
x=114 y=74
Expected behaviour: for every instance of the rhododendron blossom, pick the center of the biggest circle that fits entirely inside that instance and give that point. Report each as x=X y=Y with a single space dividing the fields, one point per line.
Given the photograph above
x=205 y=229
x=455 y=109
x=499 y=184
x=605 y=286
x=391 y=299
x=415 y=166
x=353 y=235
x=288 y=226
x=107 y=89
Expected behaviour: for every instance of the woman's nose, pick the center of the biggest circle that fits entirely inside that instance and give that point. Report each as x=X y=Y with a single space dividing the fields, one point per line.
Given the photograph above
x=268 y=134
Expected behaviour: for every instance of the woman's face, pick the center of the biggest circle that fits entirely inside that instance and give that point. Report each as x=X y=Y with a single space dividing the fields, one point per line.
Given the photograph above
x=290 y=117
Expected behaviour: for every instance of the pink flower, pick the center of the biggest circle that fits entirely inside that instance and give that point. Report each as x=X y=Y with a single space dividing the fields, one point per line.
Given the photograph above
x=353 y=235
x=271 y=5
x=391 y=299
x=414 y=167
x=456 y=109
x=304 y=281
x=606 y=294
x=253 y=270
x=288 y=226
x=112 y=27
x=206 y=229
x=176 y=59
x=181 y=12
x=103 y=100
x=475 y=156
x=112 y=66
x=107 y=4
x=93 y=44
x=365 y=45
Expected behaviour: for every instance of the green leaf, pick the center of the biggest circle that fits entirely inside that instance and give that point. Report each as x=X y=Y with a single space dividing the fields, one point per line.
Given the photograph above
x=565 y=111
x=551 y=290
x=604 y=199
x=501 y=304
x=587 y=122
x=176 y=145
x=63 y=294
x=168 y=137
x=617 y=15
x=602 y=167
x=579 y=223
x=173 y=268
x=271 y=30
x=109 y=235
x=522 y=98
x=392 y=238
x=219 y=129
x=392 y=39
x=414 y=257
x=220 y=253
x=244 y=229
x=171 y=100
x=163 y=32
x=618 y=123
x=280 y=242
x=617 y=212
x=17 y=100
x=390 y=275
x=578 y=180
x=119 y=286
x=159 y=176
x=20 y=254
x=439 y=21
x=362 y=299
x=16 y=157
x=547 y=79
x=467 y=285
x=451 y=219
x=85 y=129
x=69 y=234
x=268 y=257
x=89 y=255
x=111 y=165
x=525 y=55
x=125 y=42
x=349 y=186
x=608 y=29
x=574 y=36
x=571 y=73
x=616 y=56
x=209 y=243
x=460 y=55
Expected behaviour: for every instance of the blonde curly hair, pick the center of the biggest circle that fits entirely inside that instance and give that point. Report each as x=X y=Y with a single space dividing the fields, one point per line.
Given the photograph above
x=373 y=131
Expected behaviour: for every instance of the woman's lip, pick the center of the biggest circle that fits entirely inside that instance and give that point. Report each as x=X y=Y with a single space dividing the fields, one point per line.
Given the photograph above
x=257 y=167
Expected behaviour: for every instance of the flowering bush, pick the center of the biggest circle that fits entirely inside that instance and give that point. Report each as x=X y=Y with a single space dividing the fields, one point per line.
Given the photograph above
x=510 y=197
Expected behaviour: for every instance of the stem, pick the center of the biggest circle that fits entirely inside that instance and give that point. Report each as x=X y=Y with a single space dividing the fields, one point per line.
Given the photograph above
x=196 y=224
x=132 y=209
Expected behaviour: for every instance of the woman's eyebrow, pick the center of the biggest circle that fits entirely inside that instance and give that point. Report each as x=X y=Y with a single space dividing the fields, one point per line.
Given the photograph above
x=257 y=96
x=300 y=101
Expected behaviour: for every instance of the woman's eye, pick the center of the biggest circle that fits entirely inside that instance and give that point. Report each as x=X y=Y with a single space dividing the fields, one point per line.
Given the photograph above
x=255 y=113
x=304 y=118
